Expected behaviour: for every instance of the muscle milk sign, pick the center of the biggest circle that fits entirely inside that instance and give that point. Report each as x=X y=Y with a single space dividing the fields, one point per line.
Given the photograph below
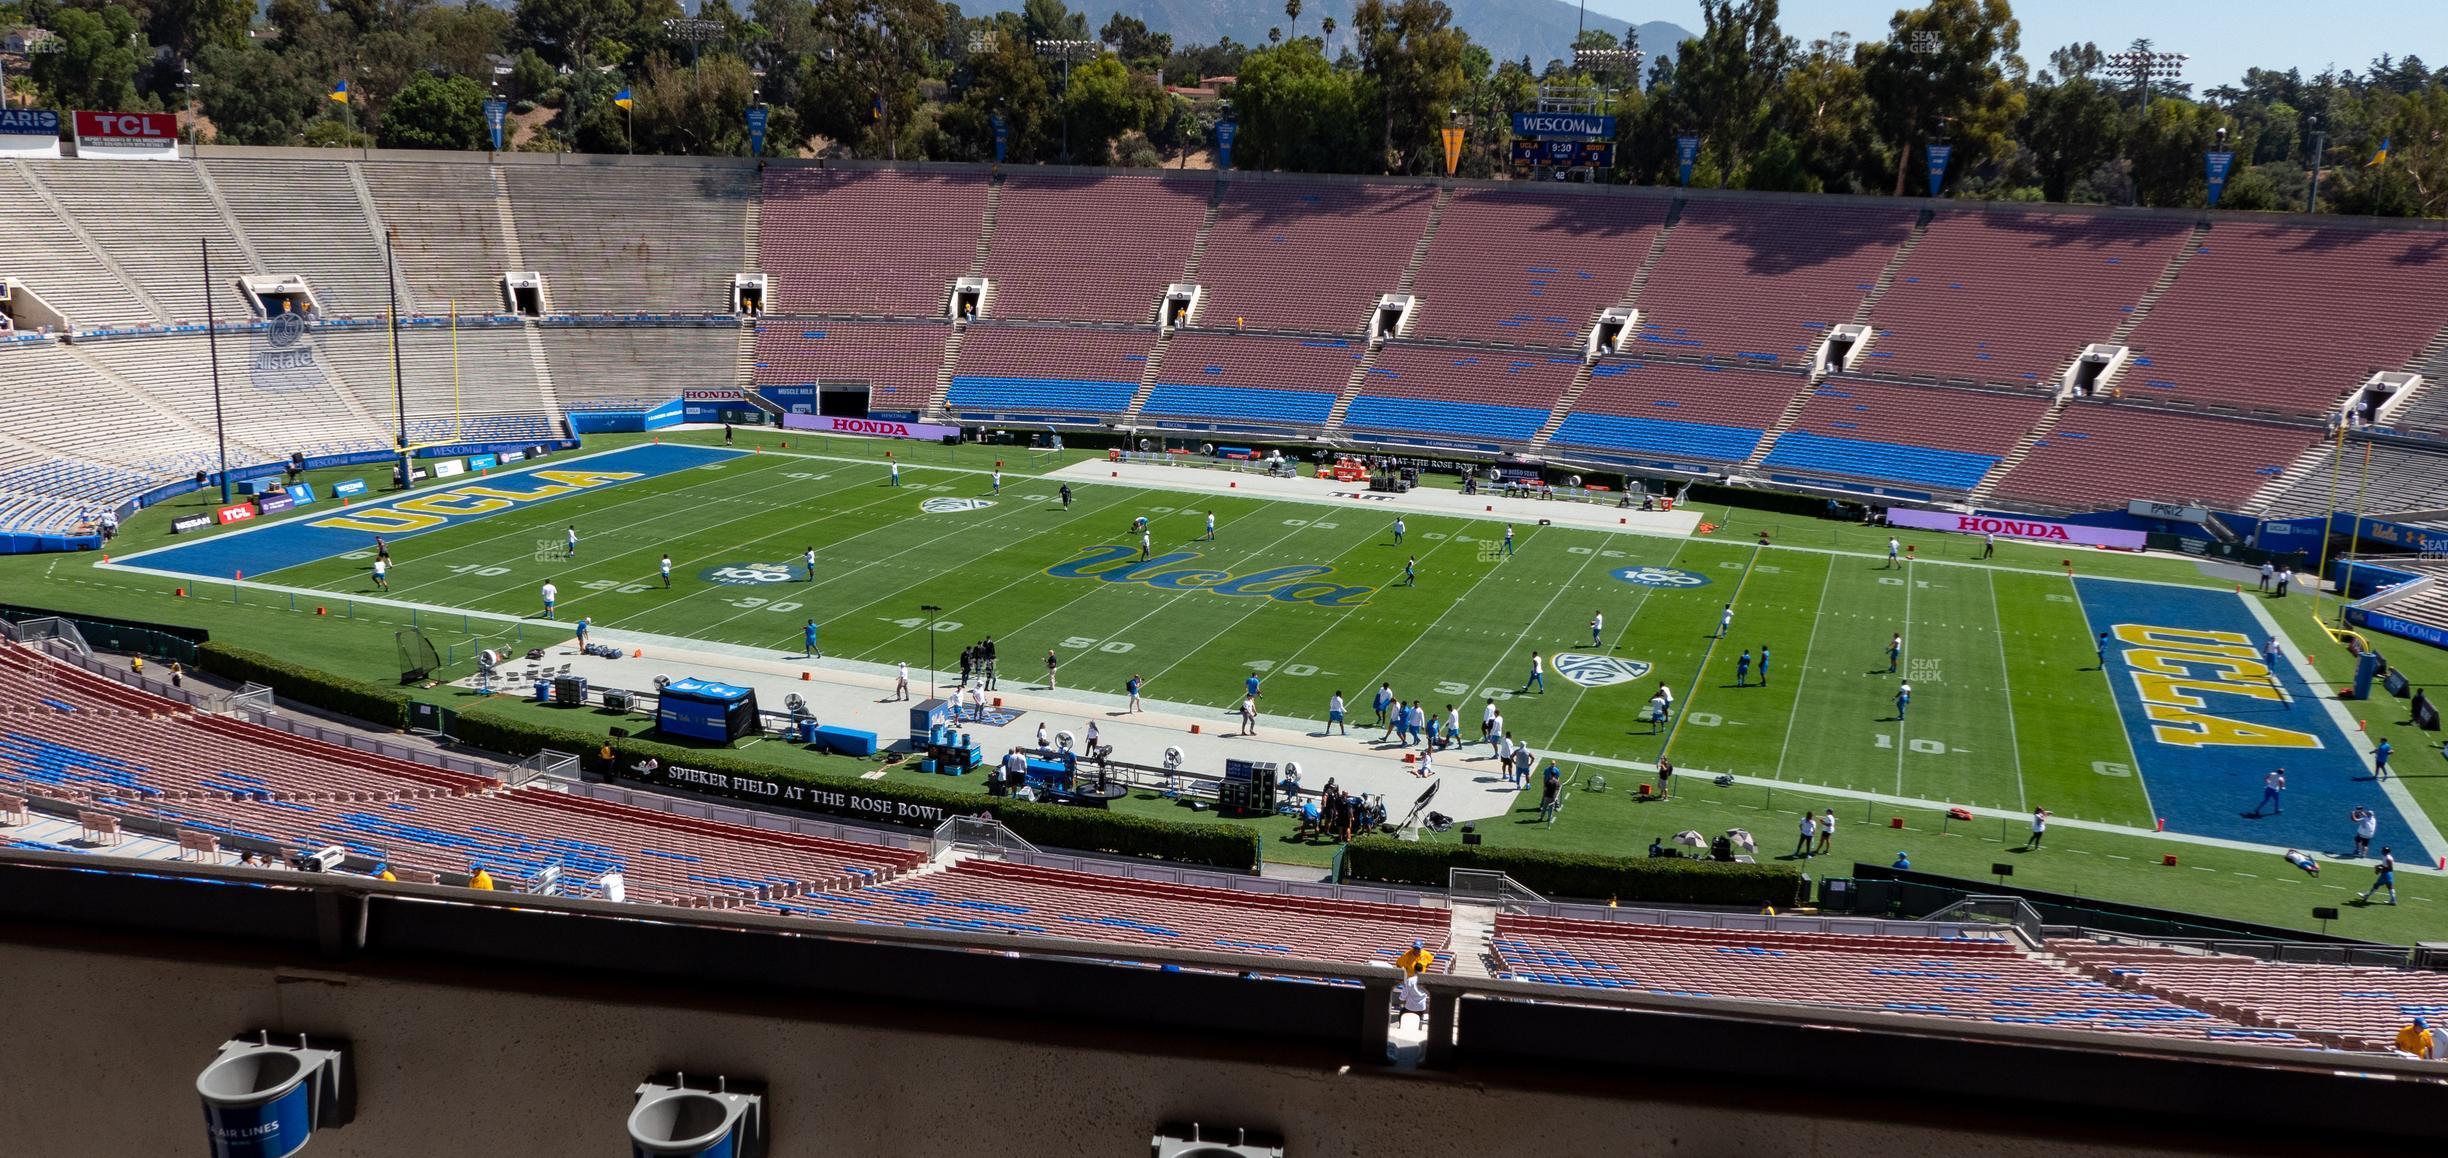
x=127 y=136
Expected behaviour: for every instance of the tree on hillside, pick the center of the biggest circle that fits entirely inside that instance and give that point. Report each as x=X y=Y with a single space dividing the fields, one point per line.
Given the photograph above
x=865 y=80
x=2070 y=124
x=95 y=67
x=1823 y=114
x=253 y=95
x=435 y=112
x=1948 y=68
x=1105 y=100
x=1411 y=55
x=1722 y=80
x=1298 y=112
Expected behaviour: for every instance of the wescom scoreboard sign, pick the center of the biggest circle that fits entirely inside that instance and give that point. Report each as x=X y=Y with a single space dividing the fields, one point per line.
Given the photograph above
x=1571 y=126
x=127 y=136
x=29 y=133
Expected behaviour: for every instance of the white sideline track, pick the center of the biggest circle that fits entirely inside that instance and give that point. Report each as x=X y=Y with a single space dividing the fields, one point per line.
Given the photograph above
x=854 y=695
x=1356 y=496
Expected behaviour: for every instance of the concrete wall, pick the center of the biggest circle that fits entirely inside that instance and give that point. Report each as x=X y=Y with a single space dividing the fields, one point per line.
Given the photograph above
x=108 y=1037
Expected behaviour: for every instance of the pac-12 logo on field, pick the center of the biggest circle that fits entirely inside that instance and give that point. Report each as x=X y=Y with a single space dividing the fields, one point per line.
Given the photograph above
x=1660 y=577
x=1598 y=671
x=747 y=574
x=945 y=506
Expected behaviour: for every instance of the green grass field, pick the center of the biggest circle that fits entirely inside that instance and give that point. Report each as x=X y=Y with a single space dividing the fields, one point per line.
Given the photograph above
x=2009 y=709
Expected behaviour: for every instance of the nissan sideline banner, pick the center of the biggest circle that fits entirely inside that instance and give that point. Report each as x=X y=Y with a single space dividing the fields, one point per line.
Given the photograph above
x=869 y=427
x=2014 y=528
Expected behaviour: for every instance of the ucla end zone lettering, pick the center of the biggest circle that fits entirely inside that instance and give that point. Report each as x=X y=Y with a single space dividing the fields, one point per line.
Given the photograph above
x=2209 y=716
x=1174 y=571
x=286 y=544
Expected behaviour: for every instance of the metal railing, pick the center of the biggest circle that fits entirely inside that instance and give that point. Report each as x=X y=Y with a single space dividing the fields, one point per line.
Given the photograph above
x=981 y=835
x=547 y=763
x=1479 y=886
x=2009 y=912
x=252 y=698
x=2276 y=952
x=36 y=631
x=1763 y=922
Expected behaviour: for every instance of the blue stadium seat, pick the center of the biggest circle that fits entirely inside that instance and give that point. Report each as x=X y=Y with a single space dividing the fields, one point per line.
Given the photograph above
x=1947 y=469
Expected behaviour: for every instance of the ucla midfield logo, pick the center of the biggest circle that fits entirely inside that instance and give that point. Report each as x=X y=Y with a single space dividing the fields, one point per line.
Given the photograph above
x=1176 y=571
x=1598 y=671
x=1646 y=576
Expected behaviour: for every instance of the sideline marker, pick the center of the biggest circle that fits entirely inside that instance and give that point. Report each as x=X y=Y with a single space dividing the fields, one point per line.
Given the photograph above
x=178 y=593
x=1194 y=729
x=2359 y=726
x=2163 y=824
x=806 y=676
x=639 y=653
x=106 y=556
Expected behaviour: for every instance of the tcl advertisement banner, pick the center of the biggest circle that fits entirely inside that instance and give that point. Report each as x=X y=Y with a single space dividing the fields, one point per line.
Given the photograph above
x=869 y=427
x=29 y=133
x=127 y=136
x=2011 y=527
x=234 y=514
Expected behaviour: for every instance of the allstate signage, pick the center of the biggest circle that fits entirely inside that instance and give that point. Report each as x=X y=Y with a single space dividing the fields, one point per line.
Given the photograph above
x=29 y=123
x=1582 y=126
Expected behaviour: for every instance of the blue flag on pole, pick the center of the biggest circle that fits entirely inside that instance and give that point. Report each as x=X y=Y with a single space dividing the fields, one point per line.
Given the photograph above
x=1939 y=155
x=1687 y=150
x=2217 y=165
x=1225 y=132
x=495 y=112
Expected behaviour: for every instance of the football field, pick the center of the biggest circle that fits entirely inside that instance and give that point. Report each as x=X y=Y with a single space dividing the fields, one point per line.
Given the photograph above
x=2011 y=705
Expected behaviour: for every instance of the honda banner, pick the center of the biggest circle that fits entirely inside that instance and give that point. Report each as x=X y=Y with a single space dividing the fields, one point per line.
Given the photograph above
x=127 y=136
x=2013 y=527
x=29 y=133
x=869 y=427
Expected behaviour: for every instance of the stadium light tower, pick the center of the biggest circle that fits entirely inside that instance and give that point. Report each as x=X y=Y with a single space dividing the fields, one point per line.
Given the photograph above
x=694 y=32
x=2320 y=139
x=1069 y=52
x=1608 y=62
x=399 y=378
x=2144 y=67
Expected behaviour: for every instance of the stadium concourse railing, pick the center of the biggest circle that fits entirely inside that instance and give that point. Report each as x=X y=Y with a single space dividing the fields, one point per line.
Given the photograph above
x=1494 y=1030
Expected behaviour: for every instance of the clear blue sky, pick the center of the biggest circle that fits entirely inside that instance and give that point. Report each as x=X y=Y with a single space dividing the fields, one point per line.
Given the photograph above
x=2223 y=37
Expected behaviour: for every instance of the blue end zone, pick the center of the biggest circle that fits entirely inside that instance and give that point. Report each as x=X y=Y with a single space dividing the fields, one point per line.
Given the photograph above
x=2171 y=648
x=335 y=530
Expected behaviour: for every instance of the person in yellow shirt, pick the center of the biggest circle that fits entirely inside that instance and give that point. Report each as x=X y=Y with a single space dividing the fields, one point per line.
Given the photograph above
x=478 y=878
x=383 y=872
x=2415 y=1038
x=1416 y=960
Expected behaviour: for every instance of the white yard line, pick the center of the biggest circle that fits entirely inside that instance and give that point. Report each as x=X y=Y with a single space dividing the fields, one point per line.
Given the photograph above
x=2131 y=753
x=2014 y=750
x=1810 y=649
x=1904 y=630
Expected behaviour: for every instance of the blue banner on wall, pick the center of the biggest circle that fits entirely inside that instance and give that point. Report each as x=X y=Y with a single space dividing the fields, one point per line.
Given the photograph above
x=1576 y=126
x=29 y=123
x=496 y=111
x=1939 y=155
x=1225 y=132
x=347 y=487
x=1687 y=150
x=2218 y=164
x=1002 y=137
x=301 y=494
x=756 y=132
x=2393 y=625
